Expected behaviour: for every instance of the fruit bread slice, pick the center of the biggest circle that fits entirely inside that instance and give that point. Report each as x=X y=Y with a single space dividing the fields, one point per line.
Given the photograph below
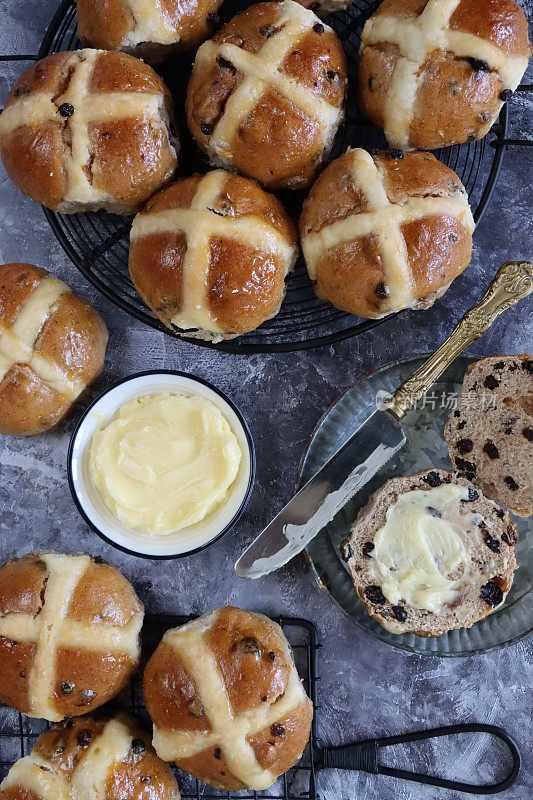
x=490 y=433
x=429 y=553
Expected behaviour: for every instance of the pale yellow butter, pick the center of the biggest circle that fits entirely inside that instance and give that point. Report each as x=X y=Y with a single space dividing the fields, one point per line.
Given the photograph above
x=419 y=558
x=165 y=462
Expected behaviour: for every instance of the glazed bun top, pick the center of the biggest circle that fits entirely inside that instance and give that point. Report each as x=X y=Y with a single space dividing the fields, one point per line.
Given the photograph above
x=266 y=95
x=52 y=346
x=69 y=633
x=149 y=28
x=226 y=700
x=435 y=72
x=210 y=254
x=88 y=129
x=385 y=231
x=90 y=759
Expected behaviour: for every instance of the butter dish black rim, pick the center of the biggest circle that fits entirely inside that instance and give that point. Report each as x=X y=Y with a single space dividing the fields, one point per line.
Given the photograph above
x=239 y=511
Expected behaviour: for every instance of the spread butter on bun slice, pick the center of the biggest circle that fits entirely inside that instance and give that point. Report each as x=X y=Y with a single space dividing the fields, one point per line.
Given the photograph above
x=430 y=553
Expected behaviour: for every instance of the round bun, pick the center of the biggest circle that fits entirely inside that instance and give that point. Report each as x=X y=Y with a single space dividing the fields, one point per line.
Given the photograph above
x=210 y=254
x=52 y=346
x=434 y=582
x=436 y=73
x=86 y=130
x=94 y=760
x=266 y=94
x=153 y=29
x=69 y=634
x=226 y=700
x=385 y=232
x=490 y=433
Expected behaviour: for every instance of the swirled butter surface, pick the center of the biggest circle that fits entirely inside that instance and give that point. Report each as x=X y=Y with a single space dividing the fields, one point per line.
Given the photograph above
x=419 y=556
x=165 y=461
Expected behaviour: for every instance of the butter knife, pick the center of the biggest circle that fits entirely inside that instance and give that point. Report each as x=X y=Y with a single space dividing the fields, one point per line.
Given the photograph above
x=377 y=439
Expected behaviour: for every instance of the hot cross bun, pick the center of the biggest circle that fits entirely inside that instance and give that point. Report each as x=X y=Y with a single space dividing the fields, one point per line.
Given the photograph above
x=210 y=254
x=147 y=28
x=89 y=129
x=385 y=232
x=430 y=553
x=69 y=633
x=52 y=346
x=436 y=72
x=490 y=432
x=91 y=759
x=226 y=700
x=266 y=95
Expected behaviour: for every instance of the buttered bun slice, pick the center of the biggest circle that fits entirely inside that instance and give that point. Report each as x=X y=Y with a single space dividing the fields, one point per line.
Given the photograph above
x=490 y=433
x=385 y=231
x=91 y=759
x=150 y=29
x=210 y=255
x=52 y=347
x=69 y=634
x=436 y=73
x=430 y=553
x=226 y=700
x=266 y=95
x=89 y=130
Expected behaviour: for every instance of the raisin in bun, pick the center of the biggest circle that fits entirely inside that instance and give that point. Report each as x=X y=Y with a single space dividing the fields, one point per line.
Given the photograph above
x=52 y=346
x=210 y=254
x=266 y=94
x=150 y=29
x=490 y=433
x=429 y=553
x=384 y=232
x=69 y=633
x=91 y=759
x=87 y=130
x=226 y=700
x=436 y=73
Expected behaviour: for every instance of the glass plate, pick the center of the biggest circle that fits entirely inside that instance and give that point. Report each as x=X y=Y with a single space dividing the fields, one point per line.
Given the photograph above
x=426 y=447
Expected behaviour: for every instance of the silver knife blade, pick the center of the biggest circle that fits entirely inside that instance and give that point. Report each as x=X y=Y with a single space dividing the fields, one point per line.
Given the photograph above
x=347 y=471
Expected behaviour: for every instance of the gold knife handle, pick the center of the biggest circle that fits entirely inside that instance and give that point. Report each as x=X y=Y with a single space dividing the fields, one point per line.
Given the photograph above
x=513 y=281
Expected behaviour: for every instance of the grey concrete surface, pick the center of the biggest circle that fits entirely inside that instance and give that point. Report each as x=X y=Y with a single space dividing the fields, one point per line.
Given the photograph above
x=368 y=688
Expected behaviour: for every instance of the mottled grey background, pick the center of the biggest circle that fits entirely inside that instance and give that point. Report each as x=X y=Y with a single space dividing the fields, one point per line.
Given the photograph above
x=368 y=688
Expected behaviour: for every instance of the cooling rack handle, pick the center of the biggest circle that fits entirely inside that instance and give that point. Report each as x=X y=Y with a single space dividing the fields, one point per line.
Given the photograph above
x=365 y=756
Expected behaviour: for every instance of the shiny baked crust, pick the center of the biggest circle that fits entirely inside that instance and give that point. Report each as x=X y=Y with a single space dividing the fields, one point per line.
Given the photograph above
x=88 y=129
x=150 y=29
x=52 y=346
x=266 y=95
x=436 y=73
x=210 y=254
x=94 y=759
x=385 y=232
x=226 y=700
x=69 y=633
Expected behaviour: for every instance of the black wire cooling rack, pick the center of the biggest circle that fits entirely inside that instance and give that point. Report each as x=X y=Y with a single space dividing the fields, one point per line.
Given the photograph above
x=98 y=243
x=18 y=733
